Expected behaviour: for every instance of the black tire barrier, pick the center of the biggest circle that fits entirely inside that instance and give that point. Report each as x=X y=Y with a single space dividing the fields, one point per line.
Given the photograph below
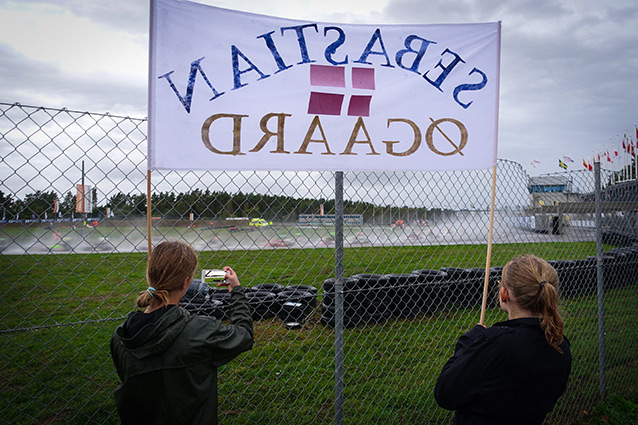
x=263 y=304
x=364 y=300
x=306 y=288
x=628 y=264
x=611 y=272
x=294 y=312
x=466 y=286
x=275 y=288
x=373 y=299
x=222 y=295
x=351 y=293
x=290 y=295
x=402 y=294
x=496 y=273
x=475 y=285
x=370 y=291
x=210 y=307
x=431 y=291
x=618 y=239
x=567 y=271
x=196 y=290
x=586 y=276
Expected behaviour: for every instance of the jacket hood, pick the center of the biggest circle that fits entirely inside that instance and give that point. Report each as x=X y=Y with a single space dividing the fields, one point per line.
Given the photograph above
x=155 y=338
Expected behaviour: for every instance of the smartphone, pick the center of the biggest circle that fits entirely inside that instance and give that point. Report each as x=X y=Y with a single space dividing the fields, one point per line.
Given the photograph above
x=216 y=275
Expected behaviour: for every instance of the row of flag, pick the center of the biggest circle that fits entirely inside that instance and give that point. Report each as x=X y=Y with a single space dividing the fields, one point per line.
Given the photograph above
x=562 y=163
x=624 y=151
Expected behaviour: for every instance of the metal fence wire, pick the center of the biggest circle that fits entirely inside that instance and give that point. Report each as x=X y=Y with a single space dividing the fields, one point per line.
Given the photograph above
x=411 y=271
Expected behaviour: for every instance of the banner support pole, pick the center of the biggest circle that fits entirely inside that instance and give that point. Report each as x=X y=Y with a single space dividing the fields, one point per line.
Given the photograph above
x=148 y=210
x=338 y=297
x=489 y=250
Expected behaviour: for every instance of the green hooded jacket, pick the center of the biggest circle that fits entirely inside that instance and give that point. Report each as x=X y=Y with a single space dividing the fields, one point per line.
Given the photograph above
x=168 y=368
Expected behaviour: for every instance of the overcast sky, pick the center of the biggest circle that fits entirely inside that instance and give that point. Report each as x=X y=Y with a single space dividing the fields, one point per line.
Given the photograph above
x=569 y=68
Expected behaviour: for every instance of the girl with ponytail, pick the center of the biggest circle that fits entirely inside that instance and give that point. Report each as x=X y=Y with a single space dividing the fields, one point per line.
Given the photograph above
x=166 y=358
x=514 y=371
x=171 y=268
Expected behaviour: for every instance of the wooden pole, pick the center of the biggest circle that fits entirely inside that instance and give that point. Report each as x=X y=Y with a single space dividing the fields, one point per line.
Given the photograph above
x=489 y=250
x=148 y=210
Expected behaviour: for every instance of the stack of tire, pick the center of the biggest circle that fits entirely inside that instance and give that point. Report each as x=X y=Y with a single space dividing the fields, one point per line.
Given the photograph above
x=263 y=304
x=628 y=264
x=401 y=292
x=432 y=291
x=198 y=300
x=373 y=298
x=492 y=287
x=222 y=295
x=620 y=267
x=420 y=292
x=371 y=292
x=354 y=304
x=295 y=303
x=568 y=274
x=590 y=281
x=262 y=299
x=466 y=286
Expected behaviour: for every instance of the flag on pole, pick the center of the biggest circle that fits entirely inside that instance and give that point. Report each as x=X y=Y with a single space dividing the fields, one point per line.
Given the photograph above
x=567 y=159
x=561 y=164
x=585 y=164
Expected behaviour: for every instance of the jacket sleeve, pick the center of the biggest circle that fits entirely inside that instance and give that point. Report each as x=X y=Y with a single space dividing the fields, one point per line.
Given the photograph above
x=460 y=380
x=228 y=341
x=115 y=355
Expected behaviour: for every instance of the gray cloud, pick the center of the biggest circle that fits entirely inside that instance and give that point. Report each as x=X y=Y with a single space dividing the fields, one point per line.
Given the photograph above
x=568 y=79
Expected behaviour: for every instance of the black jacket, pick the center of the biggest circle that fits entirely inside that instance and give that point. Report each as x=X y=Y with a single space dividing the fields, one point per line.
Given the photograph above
x=506 y=374
x=168 y=364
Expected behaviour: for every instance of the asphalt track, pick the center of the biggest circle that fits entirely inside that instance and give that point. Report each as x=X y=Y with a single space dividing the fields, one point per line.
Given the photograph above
x=459 y=228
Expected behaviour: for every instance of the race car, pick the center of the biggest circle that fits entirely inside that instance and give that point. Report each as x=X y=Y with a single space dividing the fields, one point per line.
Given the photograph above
x=259 y=222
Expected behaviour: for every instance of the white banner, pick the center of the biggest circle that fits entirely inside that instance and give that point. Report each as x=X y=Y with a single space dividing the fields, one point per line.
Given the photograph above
x=237 y=91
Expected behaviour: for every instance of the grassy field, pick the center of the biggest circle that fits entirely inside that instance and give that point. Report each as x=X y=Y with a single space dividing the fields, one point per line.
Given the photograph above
x=616 y=411
x=57 y=367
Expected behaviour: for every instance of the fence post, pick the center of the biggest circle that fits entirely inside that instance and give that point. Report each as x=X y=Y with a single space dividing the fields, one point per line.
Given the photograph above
x=599 y=274
x=338 y=298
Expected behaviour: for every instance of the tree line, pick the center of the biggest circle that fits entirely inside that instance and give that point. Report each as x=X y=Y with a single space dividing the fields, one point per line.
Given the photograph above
x=203 y=204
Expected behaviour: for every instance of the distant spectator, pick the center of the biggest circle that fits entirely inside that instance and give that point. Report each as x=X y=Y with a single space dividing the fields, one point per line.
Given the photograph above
x=513 y=372
x=167 y=358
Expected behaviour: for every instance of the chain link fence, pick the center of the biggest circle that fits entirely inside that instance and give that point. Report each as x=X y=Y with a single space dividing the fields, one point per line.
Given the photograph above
x=413 y=264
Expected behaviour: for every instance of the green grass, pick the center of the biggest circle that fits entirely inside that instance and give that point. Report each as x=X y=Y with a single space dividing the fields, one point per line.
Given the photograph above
x=42 y=290
x=54 y=372
x=615 y=410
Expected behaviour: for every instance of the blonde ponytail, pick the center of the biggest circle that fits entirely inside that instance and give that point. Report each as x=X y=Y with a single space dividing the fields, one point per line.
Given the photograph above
x=551 y=322
x=534 y=282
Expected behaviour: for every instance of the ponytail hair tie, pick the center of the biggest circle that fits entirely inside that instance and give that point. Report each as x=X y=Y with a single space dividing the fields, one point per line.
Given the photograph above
x=540 y=287
x=150 y=291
